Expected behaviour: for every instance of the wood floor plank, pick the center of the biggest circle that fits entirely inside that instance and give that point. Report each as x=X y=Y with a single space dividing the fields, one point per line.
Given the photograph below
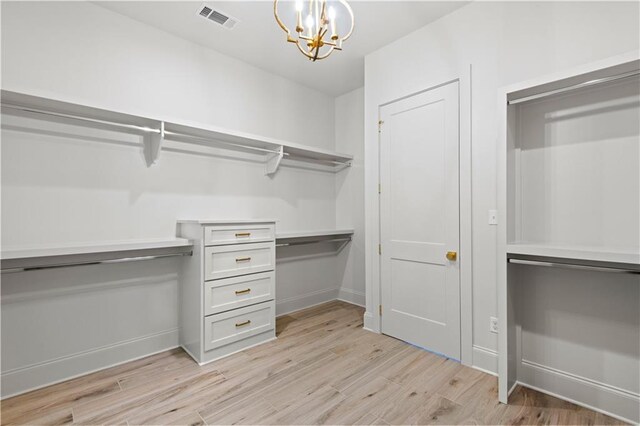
x=131 y=402
x=363 y=401
x=318 y=376
x=191 y=419
x=323 y=369
x=439 y=411
x=85 y=388
x=62 y=416
x=406 y=367
x=238 y=414
x=256 y=382
x=308 y=408
x=214 y=399
x=366 y=369
x=39 y=403
x=166 y=376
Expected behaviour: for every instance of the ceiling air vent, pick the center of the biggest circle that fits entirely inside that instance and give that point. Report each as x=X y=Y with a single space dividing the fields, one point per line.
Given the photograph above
x=216 y=15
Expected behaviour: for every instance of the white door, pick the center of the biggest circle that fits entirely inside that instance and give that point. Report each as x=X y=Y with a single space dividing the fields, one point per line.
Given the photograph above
x=419 y=220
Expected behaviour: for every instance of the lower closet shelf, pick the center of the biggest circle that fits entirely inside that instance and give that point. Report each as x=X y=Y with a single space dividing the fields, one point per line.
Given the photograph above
x=576 y=255
x=75 y=255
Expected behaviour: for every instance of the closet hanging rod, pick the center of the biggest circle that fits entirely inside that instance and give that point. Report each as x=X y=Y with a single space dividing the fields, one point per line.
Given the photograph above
x=215 y=141
x=574 y=87
x=614 y=269
x=338 y=163
x=80 y=118
x=96 y=262
x=333 y=240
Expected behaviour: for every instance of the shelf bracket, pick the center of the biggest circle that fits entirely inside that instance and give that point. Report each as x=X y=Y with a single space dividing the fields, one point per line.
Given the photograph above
x=273 y=163
x=153 y=145
x=344 y=166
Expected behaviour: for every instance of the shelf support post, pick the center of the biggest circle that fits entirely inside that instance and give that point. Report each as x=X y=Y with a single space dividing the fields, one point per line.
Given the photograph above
x=153 y=145
x=273 y=163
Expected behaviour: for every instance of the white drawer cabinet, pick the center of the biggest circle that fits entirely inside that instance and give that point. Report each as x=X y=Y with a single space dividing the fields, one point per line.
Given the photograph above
x=238 y=234
x=227 y=287
x=238 y=259
x=238 y=324
x=231 y=293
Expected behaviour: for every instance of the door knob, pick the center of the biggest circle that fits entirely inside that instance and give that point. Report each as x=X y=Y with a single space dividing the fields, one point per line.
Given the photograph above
x=452 y=255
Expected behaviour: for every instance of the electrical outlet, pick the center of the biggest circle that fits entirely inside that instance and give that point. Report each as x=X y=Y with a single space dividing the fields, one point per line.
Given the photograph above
x=493 y=325
x=493 y=217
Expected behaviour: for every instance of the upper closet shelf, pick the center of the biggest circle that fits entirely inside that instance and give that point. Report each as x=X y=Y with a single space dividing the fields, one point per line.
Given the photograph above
x=109 y=252
x=156 y=131
x=574 y=254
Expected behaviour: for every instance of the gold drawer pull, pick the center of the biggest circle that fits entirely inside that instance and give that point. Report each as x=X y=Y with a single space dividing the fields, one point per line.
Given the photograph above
x=240 y=324
x=243 y=234
x=243 y=259
x=239 y=292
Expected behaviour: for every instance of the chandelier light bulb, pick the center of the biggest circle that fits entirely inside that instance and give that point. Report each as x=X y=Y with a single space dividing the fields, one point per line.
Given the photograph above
x=309 y=23
x=332 y=19
x=299 y=28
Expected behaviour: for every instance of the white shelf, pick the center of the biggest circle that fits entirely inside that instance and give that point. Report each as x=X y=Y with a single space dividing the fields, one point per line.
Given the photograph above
x=341 y=236
x=225 y=222
x=578 y=253
x=157 y=130
x=290 y=149
x=313 y=234
x=112 y=251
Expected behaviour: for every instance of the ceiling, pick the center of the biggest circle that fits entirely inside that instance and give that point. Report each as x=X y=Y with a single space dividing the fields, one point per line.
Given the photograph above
x=258 y=40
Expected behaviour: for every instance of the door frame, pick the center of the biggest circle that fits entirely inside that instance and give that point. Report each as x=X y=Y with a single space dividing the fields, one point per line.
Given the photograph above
x=373 y=320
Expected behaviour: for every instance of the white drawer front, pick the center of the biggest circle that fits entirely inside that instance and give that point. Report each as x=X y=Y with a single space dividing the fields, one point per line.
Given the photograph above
x=237 y=234
x=239 y=259
x=231 y=293
x=228 y=327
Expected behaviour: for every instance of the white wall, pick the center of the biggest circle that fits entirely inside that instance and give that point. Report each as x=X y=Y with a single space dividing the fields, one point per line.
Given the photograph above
x=349 y=118
x=503 y=42
x=65 y=184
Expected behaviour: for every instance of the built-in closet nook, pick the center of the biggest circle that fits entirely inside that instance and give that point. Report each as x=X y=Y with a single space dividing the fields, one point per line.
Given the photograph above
x=570 y=262
x=320 y=212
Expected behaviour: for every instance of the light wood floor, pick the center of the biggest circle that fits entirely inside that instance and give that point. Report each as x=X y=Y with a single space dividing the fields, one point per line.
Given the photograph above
x=323 y=369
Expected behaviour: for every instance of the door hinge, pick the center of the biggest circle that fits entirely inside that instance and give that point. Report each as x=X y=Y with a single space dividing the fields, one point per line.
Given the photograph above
x=380 y=123
x=380 y=309
x=379 y=189
x=379 y=249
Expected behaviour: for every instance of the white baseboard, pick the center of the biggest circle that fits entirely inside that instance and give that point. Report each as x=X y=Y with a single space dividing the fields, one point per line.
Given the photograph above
x=610 y=400
x=369 y=323
x=296 y=303
x=485 y=359
x=35 y=376
x=350 y=296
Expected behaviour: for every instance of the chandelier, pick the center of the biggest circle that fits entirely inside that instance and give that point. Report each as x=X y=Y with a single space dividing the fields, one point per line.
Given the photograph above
x=319 y=34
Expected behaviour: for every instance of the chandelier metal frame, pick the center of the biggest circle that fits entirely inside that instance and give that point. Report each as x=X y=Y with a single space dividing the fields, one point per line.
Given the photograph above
x=310 y=44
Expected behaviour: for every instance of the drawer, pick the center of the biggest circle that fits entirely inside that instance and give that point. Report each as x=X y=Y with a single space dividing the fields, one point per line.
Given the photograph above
x=231 y=293
x=238 y=259
x=237 y=234
x=232 y=326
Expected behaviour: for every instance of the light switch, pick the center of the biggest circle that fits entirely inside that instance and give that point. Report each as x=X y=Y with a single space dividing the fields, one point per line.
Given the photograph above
x=493 y=217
